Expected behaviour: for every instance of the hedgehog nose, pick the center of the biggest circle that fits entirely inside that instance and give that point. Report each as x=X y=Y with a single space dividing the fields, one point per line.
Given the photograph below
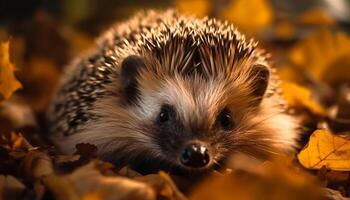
x=195 y=155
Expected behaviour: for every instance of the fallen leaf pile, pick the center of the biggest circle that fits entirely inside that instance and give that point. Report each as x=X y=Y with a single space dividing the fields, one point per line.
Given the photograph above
x=310 y=49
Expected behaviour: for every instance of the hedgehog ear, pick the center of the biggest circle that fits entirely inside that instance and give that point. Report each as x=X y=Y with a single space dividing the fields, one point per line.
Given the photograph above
x=129 y=72
x=261 y=75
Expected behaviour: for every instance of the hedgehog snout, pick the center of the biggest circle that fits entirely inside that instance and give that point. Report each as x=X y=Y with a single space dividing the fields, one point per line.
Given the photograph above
x=195 y=155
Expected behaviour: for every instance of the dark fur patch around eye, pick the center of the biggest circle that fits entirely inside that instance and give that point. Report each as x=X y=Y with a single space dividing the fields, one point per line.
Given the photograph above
x=261 y=75
x=129 y=72
x=224 y=120
x=166 y=115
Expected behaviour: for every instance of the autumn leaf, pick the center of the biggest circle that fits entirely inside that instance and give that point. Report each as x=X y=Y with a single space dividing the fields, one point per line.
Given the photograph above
x=8 y=82
x=88 y=183
x=324 y=56
x=10 y=187
x=250 y=179
x=325 y=149
x=300 y=97
x=163 y=185
x=250 y=16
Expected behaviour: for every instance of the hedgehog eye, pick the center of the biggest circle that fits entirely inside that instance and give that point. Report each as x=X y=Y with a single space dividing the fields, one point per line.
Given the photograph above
x=166 y=113
x=225 y=120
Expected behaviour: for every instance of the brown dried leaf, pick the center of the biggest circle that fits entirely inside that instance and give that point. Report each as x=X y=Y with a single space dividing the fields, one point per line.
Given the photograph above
x=10 y=187
x=163 y=185
x=267 y=180
x=37 y=164
x=89 y=183
x=325 y=149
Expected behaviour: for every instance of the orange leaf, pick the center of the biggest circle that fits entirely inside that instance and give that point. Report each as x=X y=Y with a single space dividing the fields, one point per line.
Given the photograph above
x=8 y=82
x=326 y=149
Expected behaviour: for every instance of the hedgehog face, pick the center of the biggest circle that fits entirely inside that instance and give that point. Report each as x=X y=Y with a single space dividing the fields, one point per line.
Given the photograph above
x=192 y=121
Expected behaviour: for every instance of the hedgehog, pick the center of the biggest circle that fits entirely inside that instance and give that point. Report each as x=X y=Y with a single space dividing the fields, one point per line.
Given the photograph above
x=172 y=91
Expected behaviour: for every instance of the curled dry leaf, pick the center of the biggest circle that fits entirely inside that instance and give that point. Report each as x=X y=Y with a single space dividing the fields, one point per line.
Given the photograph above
x=8 y=82
x=37 y=164
x=325 y=149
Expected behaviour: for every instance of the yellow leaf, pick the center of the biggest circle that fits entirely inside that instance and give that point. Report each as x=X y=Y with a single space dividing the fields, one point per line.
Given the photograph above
x=324 y=55
x=8 y=82
x=199 y=8
x=325 y=149
x=249 y=16
x=300 y=97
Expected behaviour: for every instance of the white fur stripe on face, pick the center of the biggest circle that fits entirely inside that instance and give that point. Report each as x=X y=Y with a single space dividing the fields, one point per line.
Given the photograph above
x=196 y=100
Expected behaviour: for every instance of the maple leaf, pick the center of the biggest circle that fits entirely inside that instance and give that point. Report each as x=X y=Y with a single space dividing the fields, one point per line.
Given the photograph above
x=325 y=149
x=8 y=82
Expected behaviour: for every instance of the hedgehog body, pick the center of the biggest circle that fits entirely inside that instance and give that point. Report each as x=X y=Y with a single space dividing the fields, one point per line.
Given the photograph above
x=174 y=90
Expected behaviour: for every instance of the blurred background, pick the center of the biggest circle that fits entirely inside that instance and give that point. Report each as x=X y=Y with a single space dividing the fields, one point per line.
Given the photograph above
x=308 y=41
